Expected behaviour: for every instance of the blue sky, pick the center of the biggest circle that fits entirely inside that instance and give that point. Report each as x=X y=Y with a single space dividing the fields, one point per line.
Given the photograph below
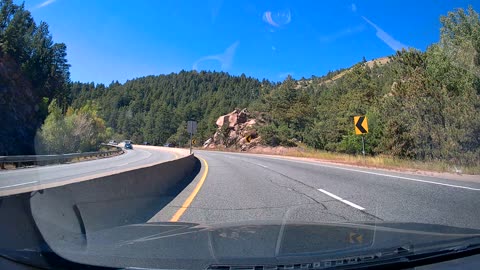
x=119 y=40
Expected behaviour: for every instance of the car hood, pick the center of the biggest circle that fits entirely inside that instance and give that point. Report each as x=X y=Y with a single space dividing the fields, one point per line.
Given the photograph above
x=194 y=246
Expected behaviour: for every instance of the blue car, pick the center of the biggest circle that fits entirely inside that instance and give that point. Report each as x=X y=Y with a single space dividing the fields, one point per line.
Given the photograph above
x=128 y=146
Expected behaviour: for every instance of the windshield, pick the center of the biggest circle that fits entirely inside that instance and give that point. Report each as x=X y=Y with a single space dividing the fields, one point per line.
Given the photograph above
x=183 y=134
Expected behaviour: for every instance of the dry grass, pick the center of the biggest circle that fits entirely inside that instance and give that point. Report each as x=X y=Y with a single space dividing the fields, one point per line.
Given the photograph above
x=379 y=61
x=385 y=162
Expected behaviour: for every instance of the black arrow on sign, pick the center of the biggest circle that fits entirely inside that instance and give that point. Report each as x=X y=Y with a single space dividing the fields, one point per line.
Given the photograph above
x=359 y=124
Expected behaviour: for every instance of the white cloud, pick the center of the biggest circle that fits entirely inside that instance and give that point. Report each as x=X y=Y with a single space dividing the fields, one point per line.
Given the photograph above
x=386 y=38
x=354 y=7
x=225 y=58
x=277 y=18
x=45 y=3
x=267 y=17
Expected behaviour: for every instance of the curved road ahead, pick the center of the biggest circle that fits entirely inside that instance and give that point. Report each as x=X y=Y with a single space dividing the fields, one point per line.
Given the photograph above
x=233 y=187
x=245 y=187
x=11 y=180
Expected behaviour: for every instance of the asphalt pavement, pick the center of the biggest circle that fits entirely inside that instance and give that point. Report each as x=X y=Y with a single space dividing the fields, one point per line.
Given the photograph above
x=233 y=187
x=245 y=187
x=41 y=175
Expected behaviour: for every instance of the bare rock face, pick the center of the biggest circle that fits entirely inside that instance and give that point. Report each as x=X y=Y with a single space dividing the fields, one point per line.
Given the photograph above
x=235 y=130
x=207 y=142
x=232 y=120
x=251 y=123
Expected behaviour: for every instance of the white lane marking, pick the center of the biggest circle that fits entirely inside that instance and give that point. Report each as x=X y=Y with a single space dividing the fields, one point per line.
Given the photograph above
x=21 y=184
x=121 y=165
x=405 y=178
x=261 y=165
x=381 y=174
x=149 y=154
x=340 y=199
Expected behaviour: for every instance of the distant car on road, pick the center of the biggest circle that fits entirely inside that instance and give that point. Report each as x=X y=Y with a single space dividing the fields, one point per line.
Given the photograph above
x=146 y=143
x=128 y=146
x=169 y=145
x=113 y=142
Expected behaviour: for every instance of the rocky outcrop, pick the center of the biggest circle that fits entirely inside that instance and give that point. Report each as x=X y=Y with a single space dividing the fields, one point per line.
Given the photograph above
x=235 y=130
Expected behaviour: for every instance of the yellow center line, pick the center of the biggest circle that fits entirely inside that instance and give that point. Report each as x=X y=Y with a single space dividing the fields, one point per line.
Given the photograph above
x=190 y=198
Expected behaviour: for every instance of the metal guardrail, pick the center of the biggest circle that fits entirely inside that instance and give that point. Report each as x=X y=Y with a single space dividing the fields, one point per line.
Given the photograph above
x=28 y=160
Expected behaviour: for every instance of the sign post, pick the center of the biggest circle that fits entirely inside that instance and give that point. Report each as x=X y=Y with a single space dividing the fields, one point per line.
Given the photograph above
x=192 y=129
x=361 y=128
x=363 y=145
x=190 y=143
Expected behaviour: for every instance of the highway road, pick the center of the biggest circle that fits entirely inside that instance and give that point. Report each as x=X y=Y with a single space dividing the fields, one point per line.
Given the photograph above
x=234 y=187
x=229 y=189
x=35 y=176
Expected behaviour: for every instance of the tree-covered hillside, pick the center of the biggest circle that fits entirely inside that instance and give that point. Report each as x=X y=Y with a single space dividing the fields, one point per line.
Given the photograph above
x=420 y=105
x=33 y=70
x=154 y=108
